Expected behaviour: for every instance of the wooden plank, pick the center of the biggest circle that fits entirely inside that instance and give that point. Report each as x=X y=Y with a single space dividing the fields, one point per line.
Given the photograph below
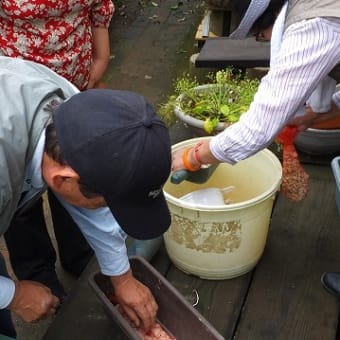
x=161 y=261
x=225 y=52
x=215 y=23
x=220 y=301
x=286 y=299
x=199 y=34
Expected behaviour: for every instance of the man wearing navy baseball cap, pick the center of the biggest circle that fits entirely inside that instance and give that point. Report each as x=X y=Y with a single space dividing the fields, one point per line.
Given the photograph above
x=105 y=154
x=119 y=149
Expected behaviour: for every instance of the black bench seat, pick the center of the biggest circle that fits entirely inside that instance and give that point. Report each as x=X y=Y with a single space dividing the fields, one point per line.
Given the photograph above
x=240 y=53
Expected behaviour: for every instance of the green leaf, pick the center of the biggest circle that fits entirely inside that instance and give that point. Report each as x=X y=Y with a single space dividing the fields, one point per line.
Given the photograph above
x=224 y=108
x=198 y=109
x=208 y=126
x=233 y=118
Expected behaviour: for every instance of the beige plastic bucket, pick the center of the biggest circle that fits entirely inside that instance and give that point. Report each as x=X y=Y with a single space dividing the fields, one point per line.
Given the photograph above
x=223 y=241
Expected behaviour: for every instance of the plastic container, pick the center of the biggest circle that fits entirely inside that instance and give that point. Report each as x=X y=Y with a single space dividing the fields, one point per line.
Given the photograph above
x=175 y=314
x=336 y=172
x=207 y=197
x=223 y=241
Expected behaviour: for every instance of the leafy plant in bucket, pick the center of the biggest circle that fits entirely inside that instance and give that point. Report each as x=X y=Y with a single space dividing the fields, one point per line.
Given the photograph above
x=223 y=99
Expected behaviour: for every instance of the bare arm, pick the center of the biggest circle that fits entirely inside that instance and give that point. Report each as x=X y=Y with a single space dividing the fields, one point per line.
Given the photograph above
x=313 y=119
x=100 y=55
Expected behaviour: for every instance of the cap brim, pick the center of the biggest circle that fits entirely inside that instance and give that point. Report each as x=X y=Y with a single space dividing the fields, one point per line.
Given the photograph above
x=141 y=220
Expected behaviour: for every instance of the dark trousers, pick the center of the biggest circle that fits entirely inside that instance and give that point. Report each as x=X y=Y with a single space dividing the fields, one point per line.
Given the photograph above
x=6 y=324
x=31 y=252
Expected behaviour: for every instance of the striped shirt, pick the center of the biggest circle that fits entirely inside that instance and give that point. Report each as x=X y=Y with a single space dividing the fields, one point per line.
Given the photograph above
x=310 y=50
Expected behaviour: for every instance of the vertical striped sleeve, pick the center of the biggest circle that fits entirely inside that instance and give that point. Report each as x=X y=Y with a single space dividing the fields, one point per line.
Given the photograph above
x=309 y=51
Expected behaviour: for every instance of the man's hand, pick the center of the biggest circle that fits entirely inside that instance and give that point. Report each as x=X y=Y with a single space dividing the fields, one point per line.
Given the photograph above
x=311 y=118
x=136 y=300
x=33 y=301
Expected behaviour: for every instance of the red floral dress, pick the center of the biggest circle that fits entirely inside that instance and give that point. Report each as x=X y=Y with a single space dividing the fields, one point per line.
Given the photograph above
x=56 y=33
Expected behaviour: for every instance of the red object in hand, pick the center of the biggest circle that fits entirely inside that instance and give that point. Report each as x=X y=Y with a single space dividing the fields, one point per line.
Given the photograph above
x=295 y=180
x=287 y=135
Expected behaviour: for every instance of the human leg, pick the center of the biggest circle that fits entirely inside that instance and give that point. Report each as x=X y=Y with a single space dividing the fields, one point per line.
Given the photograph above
x=31 y=251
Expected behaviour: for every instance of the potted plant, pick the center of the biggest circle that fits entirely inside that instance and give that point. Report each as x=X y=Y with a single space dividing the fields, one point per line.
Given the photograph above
x=211 y=107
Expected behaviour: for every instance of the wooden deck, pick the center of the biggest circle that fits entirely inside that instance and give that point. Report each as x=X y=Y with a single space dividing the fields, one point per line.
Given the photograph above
x=282 y=298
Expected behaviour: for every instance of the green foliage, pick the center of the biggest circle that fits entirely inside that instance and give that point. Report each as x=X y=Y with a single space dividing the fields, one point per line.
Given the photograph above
x=223 y=102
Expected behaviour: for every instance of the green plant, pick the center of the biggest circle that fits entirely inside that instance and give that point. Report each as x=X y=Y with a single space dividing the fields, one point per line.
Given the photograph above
x=223 y=102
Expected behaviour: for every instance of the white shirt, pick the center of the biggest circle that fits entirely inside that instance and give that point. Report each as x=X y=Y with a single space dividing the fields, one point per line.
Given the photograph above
x=310 y=49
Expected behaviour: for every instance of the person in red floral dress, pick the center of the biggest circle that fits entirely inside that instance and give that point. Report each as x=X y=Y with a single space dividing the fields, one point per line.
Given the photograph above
x=71 y=38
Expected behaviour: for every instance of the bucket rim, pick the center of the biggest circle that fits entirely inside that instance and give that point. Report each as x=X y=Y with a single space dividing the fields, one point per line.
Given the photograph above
x=271 y=191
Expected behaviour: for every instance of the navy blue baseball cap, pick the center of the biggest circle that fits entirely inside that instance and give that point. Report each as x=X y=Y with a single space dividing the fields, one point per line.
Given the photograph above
x=121 y=150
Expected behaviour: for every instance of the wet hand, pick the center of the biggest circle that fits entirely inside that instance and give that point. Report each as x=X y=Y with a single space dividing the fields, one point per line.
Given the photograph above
x=33 y=301
x=137 y=301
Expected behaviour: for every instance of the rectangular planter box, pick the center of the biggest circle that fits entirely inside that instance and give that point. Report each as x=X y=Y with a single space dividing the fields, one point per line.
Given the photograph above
x=176 y=314
x=336 y=172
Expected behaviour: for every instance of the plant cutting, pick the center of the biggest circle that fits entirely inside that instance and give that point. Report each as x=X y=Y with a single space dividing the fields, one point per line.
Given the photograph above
x=214 y=105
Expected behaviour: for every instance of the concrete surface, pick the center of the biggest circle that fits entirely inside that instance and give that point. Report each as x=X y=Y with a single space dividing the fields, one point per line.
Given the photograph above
x=151 y=44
